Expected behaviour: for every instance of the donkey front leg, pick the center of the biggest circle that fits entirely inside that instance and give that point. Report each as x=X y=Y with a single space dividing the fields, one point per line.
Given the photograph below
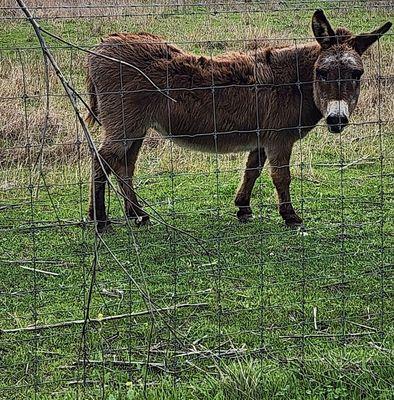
x=133 y=209
x=279 y=159
x=254 y=165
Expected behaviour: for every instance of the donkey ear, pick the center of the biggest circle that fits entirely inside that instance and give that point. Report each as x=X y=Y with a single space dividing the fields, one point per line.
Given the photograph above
x=362 y=42
x=322 y=30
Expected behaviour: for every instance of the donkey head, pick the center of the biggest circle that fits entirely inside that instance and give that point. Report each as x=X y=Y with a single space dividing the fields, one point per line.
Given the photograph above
x=338 y=69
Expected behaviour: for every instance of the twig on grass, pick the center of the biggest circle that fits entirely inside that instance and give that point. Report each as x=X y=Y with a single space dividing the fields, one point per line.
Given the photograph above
x=124 y=364
x=375 y=346
x=328 y=335
x=363 y=326
x=82 y=382
x=8 y=206
x=40 y=271
x=23 y=261
x=315 y=318
x=99 y=320
x=354 y=162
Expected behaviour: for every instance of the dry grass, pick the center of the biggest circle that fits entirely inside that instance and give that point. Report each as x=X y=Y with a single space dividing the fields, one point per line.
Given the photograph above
x=116 y=8
x=28 y=128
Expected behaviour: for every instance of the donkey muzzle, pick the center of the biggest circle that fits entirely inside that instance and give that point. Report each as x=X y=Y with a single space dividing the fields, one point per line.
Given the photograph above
x=337 y=116
x=336 y=123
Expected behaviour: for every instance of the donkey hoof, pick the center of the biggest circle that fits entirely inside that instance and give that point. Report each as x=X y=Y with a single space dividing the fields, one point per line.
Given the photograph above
x=104 y=226
x=244 y=216
x=143 y=220
x=140 y=220
x=293 y=221
x=295 y=224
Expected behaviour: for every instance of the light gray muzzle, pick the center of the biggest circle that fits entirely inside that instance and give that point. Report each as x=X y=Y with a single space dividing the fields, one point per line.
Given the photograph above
x=337 y=116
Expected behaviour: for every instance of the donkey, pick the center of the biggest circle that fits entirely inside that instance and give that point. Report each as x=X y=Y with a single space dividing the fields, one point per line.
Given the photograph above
x=259 y=101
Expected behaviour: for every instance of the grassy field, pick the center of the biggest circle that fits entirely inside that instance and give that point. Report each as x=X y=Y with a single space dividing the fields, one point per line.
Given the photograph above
x=252 y=311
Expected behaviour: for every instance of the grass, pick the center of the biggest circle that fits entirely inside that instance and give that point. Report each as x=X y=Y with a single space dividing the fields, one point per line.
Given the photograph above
x=268 y=280
x=282 y=315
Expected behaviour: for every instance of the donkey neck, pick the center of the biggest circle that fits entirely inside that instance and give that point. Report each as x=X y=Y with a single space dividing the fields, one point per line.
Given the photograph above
x=292 y=69
x=294 y=64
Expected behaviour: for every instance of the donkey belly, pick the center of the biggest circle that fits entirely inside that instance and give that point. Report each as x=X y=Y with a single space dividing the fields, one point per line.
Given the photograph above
x=208 y=142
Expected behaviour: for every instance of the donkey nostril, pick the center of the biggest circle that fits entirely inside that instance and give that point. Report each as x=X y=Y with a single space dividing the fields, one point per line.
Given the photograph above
x=344 y=120
x=333 y=119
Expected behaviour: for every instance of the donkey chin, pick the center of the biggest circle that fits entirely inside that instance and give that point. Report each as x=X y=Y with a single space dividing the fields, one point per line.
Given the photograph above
x=337 y=116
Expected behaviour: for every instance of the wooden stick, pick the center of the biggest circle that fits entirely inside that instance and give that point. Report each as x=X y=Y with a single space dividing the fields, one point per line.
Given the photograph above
x=354 y=162
x=41 y=271
x=54 y=262
x=122 y=363
x=36 y=328
x=82 y=382
x=328 y=335
x=315 y=318
x=362 y=326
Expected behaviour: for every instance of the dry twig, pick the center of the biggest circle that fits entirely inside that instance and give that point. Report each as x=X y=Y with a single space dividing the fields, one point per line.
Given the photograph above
x=35 y=328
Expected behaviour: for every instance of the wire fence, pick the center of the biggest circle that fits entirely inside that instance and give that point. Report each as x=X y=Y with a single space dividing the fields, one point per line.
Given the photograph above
x=196 y=303
x=119 y=8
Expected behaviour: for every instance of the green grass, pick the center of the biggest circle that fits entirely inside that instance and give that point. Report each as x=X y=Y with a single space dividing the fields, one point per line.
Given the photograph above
x=258 y=284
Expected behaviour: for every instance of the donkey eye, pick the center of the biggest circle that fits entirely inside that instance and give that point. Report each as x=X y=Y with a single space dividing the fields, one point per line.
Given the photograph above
x=356 y=74
x=321 y=74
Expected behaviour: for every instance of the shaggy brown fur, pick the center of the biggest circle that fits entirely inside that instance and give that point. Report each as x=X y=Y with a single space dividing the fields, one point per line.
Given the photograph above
x=260 y=101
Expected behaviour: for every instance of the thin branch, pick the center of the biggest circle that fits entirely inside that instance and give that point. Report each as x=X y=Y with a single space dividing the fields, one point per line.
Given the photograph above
x=354 y=162
x=92 y=147
x=123 y=364
x=69 y=90
x=328 y=335
x=315 y=318
x=7 y=206
x=384 y=349
x=363 y=326
x=22 y=261
x=100 y=320
x=41 y=271
x=82 y=382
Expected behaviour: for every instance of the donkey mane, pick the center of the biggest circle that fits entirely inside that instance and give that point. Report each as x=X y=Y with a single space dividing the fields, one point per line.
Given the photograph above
x=151 y=52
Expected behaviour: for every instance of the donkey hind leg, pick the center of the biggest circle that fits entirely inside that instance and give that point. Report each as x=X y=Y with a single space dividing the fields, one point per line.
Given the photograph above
x=102 y=166
x=254 y=165
x=279 y=159
x=133 y=208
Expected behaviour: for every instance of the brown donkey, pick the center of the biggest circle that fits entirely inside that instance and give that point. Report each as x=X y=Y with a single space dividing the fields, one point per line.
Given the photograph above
x=260 y=101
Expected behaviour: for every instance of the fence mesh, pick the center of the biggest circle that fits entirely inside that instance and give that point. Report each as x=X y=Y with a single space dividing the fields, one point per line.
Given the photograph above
x=194 y=304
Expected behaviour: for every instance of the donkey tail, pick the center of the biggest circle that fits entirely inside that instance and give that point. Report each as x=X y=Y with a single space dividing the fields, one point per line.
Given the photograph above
x=93 y=112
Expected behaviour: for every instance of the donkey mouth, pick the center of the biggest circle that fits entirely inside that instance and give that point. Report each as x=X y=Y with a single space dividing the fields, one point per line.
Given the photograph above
x=336 y=128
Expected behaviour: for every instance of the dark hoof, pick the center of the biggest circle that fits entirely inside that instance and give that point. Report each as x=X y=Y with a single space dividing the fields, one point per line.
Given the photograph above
x=294 y=222
x=104 y=226
x=143 y=220
x=140 y=220
x=244 y=215
x=297 y=227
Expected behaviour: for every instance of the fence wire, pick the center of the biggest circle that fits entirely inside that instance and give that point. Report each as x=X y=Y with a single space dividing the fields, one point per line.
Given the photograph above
x=196 y=303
